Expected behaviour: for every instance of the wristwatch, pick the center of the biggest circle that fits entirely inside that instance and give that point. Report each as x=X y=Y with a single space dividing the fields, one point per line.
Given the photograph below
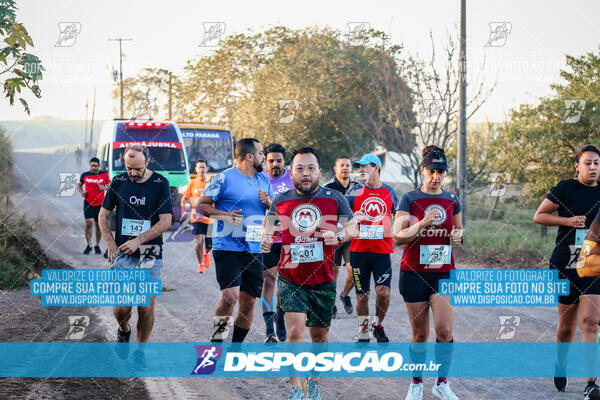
x=340 y=237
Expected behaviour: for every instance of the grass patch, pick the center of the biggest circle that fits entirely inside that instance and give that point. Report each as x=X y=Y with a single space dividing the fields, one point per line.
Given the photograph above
x=511 y=231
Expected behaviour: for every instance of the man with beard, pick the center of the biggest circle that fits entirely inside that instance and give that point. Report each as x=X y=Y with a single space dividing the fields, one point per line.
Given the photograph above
x=237 y=199
x=309 y=216
x=342 y=182
x=144 y=212
x=281 y=182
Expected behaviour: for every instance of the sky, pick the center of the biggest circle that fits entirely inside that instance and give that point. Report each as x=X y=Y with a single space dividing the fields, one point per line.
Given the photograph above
x=167 y=34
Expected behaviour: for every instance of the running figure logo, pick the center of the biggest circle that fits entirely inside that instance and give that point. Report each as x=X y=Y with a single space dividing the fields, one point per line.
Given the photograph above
x=148 y=255
x=207 y=359
x=287 y=111
x=213 y=33
x=184 y=232
x=68 y=182
x=573 y=109
x=498 y=184
x=68 y=34
x=77 y=325
x=357 y=32
x=508 y=326
x=499 y=32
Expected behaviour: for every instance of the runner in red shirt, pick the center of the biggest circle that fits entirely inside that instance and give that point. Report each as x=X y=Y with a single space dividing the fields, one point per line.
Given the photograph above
x=429 y=224
x=306 y=282
x=370 y=252
x=92 y=185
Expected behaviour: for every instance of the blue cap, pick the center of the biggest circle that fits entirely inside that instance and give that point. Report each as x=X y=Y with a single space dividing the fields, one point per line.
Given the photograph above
x=367 y=159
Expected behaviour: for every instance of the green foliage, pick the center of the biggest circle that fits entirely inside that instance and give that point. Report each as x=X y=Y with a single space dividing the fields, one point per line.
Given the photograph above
x=6 y=162
x=23 y=69
x=540 y=142
x=350 y=98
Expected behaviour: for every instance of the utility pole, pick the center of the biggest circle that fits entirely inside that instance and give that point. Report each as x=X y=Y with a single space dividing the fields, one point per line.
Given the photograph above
x=170 y=96
x=92 y=123
x=120 y=40
x=86 y=120
x=461 y=172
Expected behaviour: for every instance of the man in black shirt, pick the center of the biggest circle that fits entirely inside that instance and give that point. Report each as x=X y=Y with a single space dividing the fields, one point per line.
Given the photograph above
x=342 y=182
x=144 y=212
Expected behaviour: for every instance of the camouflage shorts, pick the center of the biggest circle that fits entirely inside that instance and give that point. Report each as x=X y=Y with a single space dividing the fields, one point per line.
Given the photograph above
x=316 y=301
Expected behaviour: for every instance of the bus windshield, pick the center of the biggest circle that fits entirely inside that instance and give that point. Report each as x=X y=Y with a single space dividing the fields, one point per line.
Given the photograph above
x=213 y=146
x=161 y=159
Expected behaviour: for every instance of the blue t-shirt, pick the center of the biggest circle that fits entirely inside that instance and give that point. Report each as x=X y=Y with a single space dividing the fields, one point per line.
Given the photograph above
x=138 y=202
x=231 y=190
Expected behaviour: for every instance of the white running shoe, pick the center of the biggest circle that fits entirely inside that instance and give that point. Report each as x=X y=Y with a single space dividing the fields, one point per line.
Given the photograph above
x=415 y=391
x=443 y=391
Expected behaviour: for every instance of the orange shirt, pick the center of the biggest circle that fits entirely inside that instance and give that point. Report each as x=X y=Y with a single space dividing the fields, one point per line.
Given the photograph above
x=194 y=190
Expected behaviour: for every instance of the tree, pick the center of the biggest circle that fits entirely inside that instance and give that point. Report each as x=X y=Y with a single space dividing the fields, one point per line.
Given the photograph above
x=303 y=87
x=23 y=70
x=146 y=94
x=435 y=85
x=540 y=141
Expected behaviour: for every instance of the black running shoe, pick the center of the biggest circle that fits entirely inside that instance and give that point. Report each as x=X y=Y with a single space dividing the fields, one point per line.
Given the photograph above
x=347 y=303
x=592 y=391
x=97 y=249
x=87 y=250
x=379 y=334
x=334 y=315
x=560 y=377
x=105 y=254
x=122 y=345
x=280 y=329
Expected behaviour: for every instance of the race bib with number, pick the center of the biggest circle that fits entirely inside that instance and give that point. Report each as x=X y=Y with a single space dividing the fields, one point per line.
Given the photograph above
x=580 y=235
x=307 y=252
x=134 y=227
x=435 y=254
x=253 y=233
x=371 y=232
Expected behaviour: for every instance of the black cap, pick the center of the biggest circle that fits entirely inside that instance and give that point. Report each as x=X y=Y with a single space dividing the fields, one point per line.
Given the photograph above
x=435 y=160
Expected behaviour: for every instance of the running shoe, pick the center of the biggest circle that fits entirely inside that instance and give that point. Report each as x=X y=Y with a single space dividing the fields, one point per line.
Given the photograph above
x=271 y=339
x=443 y=391
x=560 y=377
x=379 y=334
x=87 y=250
x=280 y=329
x=201 y=269
x=97 y=249
x=206 y=258
x=296 y=393
x=592 y=391
x=415 y=391
x=334 y=315
x=106 y=254
x=122 y=345
x=139 y=360
x=347 y=303
x=313 y=389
